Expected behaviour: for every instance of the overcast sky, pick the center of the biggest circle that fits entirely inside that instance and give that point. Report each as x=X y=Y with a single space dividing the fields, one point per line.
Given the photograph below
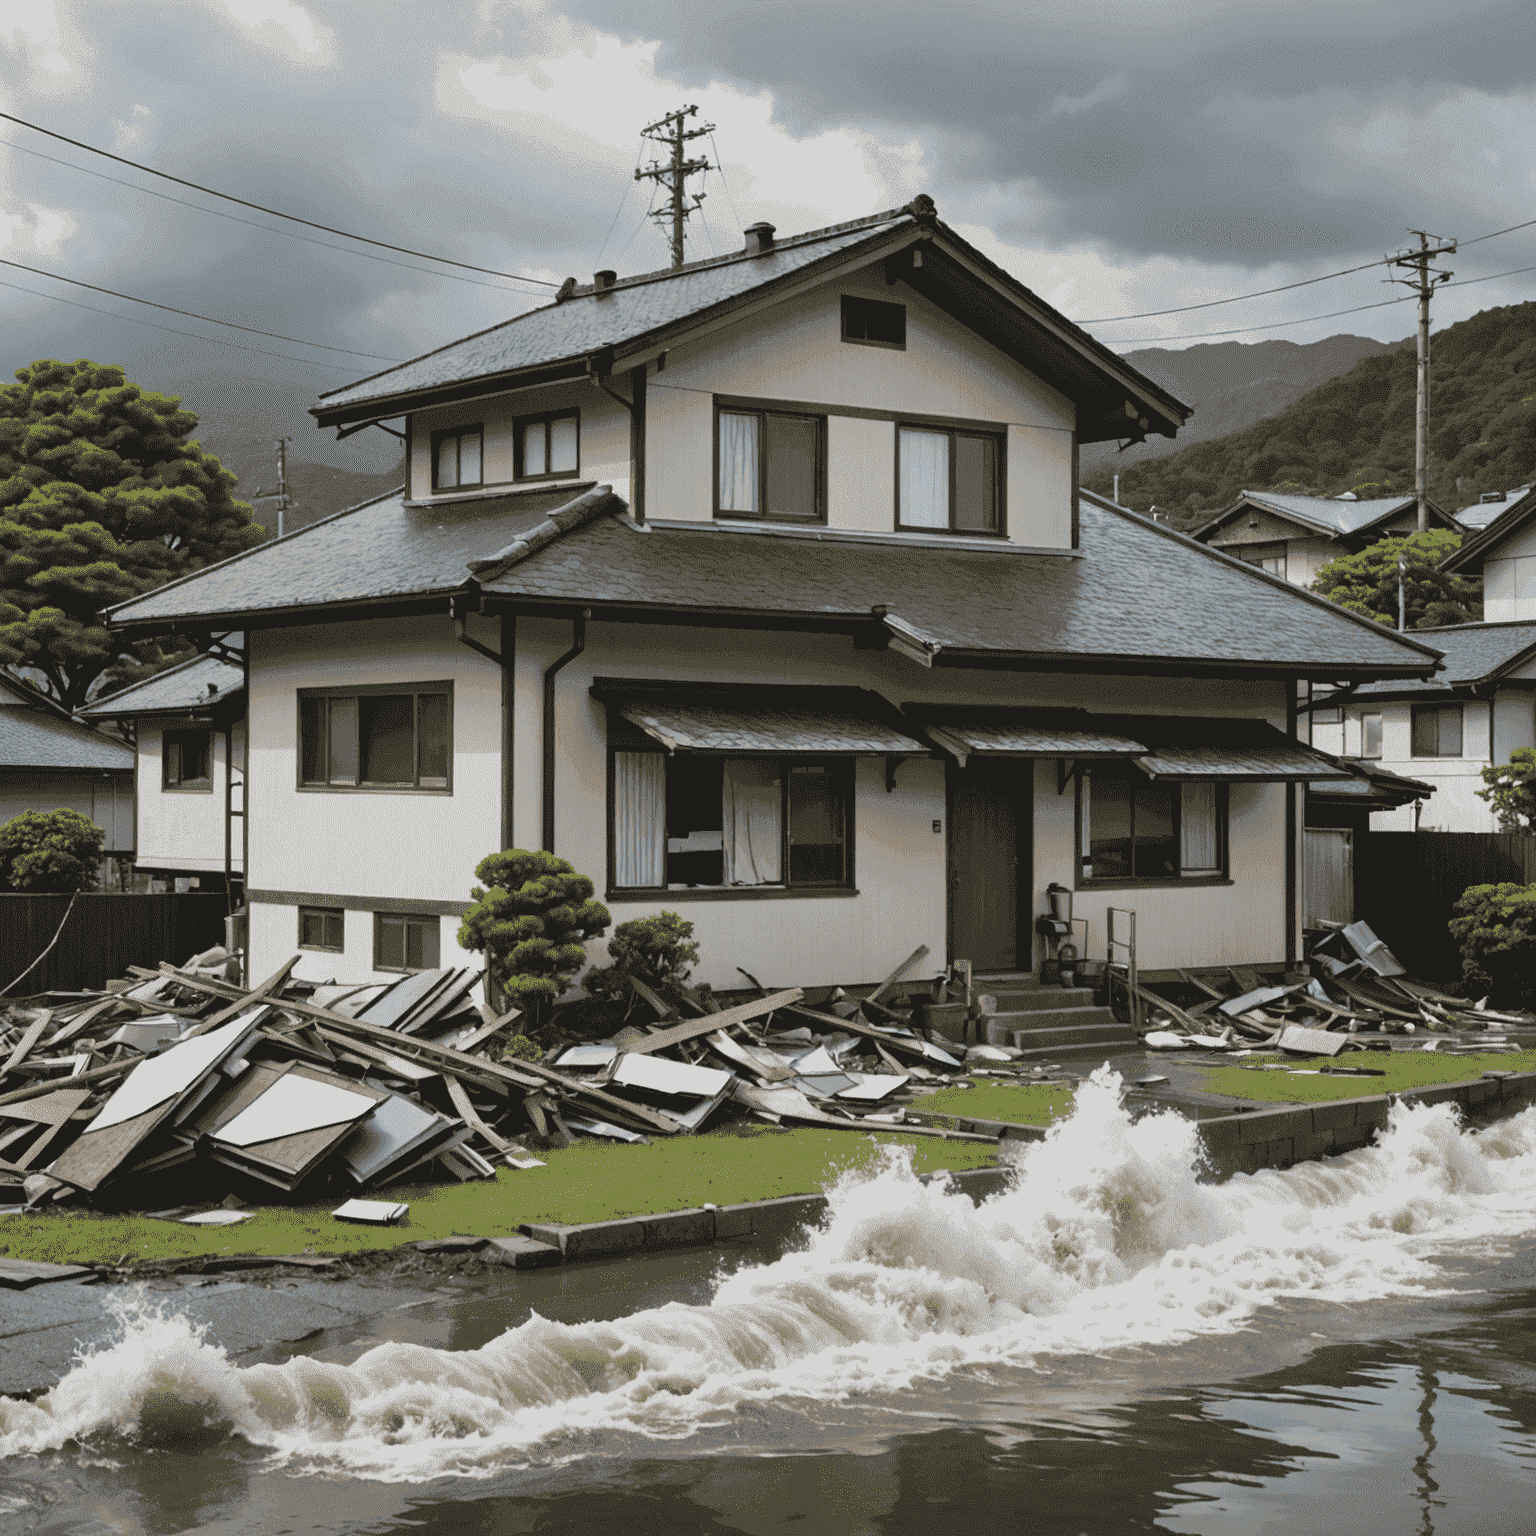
x=1138 y=156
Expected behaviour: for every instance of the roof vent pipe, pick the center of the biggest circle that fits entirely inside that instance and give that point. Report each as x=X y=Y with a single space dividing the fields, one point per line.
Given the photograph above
x=604 y=280
x=759 y=238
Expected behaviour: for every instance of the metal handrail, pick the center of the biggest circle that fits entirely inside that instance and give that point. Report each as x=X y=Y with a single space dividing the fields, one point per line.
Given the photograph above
x=1133 y=997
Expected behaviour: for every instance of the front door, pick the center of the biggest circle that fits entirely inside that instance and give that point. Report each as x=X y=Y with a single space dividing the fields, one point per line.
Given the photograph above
x=989 y=857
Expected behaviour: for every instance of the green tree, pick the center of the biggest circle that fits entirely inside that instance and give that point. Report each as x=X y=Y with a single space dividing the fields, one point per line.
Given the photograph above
x=101 y=498
x=1366 y=583
x=1511 y=791
x=1496 y=928
x=531 y=917
x=656 y=950
x=50 y=851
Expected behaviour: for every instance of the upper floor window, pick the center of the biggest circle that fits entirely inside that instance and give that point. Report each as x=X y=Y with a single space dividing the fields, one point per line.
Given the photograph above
x=1437 y=730
x=548 y=445
x=391 y=737
x=185 y=758
x=1135 y=828
x=1268 y=557
x=770 y=464
x=1370 y=733
x=874 y=322
x=456 y=458
x=949 y=480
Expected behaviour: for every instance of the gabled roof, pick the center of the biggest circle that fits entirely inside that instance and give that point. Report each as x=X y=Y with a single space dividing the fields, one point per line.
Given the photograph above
x=1323 y=514
x=195 y=684
x=1474 y=654
x=1513 y=519
x=604 y=331
x=35 y=733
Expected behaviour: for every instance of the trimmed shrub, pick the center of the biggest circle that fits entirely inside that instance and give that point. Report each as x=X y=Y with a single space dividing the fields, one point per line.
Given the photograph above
x=656 y=950
x=1511 y=791
x=1496 y=928
x=50 y=851
x=531 y=918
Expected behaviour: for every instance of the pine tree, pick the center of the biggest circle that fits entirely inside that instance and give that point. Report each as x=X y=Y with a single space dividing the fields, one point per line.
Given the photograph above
x=102 y=497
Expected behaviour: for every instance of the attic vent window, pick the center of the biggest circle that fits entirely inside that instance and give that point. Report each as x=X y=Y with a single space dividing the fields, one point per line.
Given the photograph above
x=874 y=323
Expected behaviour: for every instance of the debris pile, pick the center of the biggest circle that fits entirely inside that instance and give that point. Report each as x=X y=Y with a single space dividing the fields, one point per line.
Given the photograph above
x=179 y=1079
x=1356 y=992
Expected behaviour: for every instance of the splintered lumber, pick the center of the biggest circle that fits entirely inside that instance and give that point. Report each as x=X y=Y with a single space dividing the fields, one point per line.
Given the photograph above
x=470 y=1116
x=900 y=971
x=1177 y=1014
x=831 y=1023
x=273 y=983
x=83 y=1080
x=662 y=1008
x=710 y=1022
x=83 y=1021
x=28 y=1040
x=491 y=1028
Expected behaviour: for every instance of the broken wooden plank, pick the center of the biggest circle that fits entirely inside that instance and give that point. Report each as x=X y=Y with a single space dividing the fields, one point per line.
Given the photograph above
x=896 y=975
x=663 y=1010
x=83 y=1021
x=273 y=983
x=491 y=1028
x=470 y=1116
x=831 y=1023
x=33 y=1035
x=81 y=1080
x=710 y=1022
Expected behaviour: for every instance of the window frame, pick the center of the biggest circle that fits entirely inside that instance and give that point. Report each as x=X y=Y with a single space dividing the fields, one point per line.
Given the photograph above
x=853 y=301
x=1417 y=711
x=405 y=919
x=325 y=914
x=182 y=786
x=818 y=519
x=442 y=435
x=1221 y=876
x=622 y=738
x=999 y=490
x=356 y=692
x=546 y=419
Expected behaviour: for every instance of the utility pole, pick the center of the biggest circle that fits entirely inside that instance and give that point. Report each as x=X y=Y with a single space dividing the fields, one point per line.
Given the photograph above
x=673 y=173
x=282 y=481
x=1422 y=282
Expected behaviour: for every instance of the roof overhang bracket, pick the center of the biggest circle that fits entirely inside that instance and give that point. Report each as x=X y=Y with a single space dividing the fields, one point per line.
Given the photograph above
x=1327 y=700
x=362 y=426
x=221 y=650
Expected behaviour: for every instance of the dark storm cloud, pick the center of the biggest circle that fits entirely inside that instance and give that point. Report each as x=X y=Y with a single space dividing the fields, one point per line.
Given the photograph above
x=1185 y=128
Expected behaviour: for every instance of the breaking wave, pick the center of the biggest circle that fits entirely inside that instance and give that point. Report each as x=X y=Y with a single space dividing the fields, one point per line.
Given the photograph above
x=1105 y=1238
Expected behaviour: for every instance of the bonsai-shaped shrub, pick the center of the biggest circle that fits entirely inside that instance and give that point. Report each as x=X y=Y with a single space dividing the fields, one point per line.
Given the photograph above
x=1496 y=928
x=531 y=917
x=50 y=851
x=655 y=950
x=1511 y=791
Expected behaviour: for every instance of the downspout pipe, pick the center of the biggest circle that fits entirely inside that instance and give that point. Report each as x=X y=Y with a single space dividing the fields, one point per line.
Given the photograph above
x=578 y=645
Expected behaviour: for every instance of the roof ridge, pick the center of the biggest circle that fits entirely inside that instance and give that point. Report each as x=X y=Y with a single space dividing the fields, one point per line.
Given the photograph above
x=1252 y=570
x=557 y=522
x=244 y=554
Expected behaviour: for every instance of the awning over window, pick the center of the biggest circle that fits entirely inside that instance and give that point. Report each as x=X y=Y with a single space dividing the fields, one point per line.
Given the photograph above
x=1017 y=733
x=1234 y=751
x=819 y=722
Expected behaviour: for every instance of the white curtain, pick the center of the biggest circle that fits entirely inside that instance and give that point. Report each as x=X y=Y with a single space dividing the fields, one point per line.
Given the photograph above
x=738 y=462
x=640 y=818
x=1198 y=817
x=469 y=459
x=752 y=807
x=562 y=445
x=924 y=491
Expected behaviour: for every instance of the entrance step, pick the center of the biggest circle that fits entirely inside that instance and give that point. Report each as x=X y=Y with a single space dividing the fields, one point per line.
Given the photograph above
x=1018 y=1000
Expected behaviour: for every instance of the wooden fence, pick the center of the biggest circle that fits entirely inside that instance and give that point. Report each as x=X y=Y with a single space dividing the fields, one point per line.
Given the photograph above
x=1407 y=885
x=105 y=934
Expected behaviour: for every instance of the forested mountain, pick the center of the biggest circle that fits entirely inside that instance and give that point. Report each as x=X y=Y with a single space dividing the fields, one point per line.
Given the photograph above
x=1356 y=431
x=1231 y=385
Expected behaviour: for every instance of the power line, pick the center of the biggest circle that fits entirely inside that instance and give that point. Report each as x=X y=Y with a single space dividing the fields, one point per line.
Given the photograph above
x=1512 y=228
x=276 y=213
x=720 y=166
x=154 y=325
x=171 y=309
x=234 y=218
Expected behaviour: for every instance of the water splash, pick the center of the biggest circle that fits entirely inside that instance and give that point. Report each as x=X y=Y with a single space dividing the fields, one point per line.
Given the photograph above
x=1104 y=1238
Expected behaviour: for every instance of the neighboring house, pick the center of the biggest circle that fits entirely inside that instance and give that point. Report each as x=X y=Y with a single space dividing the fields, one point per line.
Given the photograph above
x=1447 y=729
x=1487 y=507
x=49 y=761
x=1294 y=537
x=761 y=590
x=187 y=725
x=1504 y=555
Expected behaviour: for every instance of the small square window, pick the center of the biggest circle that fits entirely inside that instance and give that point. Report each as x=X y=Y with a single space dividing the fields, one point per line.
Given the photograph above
x=322 y=928
x=186 y=759
x=874 y=322
x=456 y=458
x=405 y=941
x=548 y=447
x=1437 y=730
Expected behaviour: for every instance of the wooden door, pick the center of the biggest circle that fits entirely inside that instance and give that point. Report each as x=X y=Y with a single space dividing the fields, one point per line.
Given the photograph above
x=988 y=832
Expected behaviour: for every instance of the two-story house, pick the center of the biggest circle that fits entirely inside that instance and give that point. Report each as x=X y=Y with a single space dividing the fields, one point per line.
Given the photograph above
x=1294 y=537
x=760 y=589
x=187 y=725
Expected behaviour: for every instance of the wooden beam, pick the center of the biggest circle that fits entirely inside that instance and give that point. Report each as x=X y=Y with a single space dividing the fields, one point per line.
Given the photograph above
x=33 y=1035
x=710 y=1022
x=263 y=993
x=831 y=1023
x=900 y=971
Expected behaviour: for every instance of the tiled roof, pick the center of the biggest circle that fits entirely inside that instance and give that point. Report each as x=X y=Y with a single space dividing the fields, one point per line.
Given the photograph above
x=32 y=736
x=1372 y=784
x=1474 y=653
x=707 y=727
x=1140 y=592
x=182 y=687
x=1326 y=513
x=1259 y=761
x=380 y=550
x=1514 y=517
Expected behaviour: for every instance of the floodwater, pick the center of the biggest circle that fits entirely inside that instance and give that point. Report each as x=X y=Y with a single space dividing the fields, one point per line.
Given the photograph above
x=1108 y=1345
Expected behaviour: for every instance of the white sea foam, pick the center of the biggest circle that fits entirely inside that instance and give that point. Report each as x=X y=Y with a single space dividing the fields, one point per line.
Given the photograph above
x=1104 y=1239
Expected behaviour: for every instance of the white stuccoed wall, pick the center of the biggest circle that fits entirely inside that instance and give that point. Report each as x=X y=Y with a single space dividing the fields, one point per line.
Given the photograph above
x=184 y=828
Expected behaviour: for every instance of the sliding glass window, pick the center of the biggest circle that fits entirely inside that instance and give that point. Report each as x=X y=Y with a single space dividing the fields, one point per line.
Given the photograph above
x=770 y=464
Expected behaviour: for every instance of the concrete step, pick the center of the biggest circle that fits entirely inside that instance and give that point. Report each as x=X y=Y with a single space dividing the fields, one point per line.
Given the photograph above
x=1018 y=1000
x=1095 y=1052
x=1008 y=1024
x=1096 y=1032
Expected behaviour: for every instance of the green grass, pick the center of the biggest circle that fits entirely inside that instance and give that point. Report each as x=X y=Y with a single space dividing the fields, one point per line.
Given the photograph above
x=988 y=1099
x=591 y=1181
x=1401 y=1069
